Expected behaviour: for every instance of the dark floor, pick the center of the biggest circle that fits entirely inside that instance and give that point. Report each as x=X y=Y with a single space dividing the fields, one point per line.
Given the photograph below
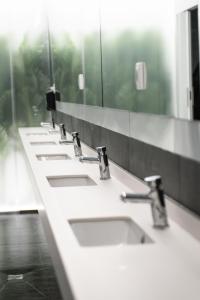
x=26 y=270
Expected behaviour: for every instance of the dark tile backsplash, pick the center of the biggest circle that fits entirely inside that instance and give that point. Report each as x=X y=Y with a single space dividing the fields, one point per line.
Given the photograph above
x=180 y=175
x=117 y=147
x=189 y=184
x=145 y=160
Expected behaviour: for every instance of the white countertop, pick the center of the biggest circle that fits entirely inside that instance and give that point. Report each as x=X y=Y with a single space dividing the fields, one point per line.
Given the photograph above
x=168 y=269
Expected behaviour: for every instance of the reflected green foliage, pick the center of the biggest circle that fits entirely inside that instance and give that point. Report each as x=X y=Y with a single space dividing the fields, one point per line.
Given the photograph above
x=118 y=59
x=67 y=61
x=92 y=60
x=31 y=80
x=24 y=81
x=5 y=86
x=120 y=54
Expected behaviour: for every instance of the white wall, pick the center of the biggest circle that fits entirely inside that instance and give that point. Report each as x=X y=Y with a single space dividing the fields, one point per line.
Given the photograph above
x=181 y=5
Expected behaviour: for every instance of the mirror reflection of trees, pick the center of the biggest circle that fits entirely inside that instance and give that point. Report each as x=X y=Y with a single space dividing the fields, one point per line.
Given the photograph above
x=31 y=80
x=92 y=69
x=24 y=80
x=67 y=62
x=25 y=77
x=119 y=55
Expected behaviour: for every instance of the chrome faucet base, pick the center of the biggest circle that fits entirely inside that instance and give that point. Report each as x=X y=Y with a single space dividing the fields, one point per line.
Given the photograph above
x=105 y=177
x=88 y=159
x=65 y=142
x=77 y=151
x=161 y=227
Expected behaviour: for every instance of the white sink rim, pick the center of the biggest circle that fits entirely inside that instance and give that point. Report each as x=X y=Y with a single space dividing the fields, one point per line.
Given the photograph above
x=123 y=232
x=52 y=157
x=42 y=143
x=53 y=131
x=70 y=180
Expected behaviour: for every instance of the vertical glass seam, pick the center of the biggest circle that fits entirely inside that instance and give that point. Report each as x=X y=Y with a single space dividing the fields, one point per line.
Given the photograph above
x=101 y=58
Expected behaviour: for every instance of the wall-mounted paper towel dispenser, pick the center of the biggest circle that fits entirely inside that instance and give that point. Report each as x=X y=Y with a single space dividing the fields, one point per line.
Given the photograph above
x=141 y=76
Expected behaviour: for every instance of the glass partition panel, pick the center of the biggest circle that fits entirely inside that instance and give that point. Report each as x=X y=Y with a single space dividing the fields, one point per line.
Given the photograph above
x=31 y=78
x=66 y=43
x=6 y=116
x=24 y=78
x=134 y=32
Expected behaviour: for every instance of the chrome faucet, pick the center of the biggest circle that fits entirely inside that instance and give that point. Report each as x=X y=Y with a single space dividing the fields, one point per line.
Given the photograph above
x=75 y=140
x=77 y=144
x=63 y=135
x=155 y=197
x=102 y=158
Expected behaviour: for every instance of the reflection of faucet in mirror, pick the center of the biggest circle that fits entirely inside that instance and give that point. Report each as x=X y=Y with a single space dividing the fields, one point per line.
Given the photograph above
x=102 y=158
x=155 y=198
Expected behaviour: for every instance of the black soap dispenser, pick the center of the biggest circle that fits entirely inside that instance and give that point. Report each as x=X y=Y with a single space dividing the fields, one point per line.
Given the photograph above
x=51 y=97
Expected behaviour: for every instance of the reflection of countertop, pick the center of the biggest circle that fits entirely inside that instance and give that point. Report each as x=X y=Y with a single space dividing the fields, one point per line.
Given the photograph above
x=168 y=269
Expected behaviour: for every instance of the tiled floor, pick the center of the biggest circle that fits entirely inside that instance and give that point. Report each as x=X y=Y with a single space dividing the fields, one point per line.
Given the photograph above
x=26 y=270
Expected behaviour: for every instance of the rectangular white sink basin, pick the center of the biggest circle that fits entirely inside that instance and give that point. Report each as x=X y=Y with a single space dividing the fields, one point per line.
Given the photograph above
x=44 y=157
x=70 y=180
x=44 y=143
x=108 y=232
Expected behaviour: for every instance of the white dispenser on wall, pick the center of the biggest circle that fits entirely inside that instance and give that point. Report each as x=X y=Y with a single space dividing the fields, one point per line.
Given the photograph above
x=81 y=82
x=141 y=76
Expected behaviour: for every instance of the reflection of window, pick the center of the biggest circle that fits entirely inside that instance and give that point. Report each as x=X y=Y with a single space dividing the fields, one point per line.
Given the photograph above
x=195 y=62
x=188 y=65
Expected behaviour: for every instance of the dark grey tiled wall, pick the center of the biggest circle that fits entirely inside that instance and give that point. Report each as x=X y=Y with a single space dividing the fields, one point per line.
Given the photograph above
x=180 y=175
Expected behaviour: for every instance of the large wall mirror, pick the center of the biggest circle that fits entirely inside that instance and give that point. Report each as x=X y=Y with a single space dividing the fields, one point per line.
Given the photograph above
x=96 y=46
x=76 y=55
x=66 y=47
x=187 y=54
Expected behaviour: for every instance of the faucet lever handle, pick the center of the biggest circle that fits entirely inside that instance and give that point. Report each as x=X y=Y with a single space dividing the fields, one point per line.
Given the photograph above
x=154 y=182
x=101 y=150
x=62 y=125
